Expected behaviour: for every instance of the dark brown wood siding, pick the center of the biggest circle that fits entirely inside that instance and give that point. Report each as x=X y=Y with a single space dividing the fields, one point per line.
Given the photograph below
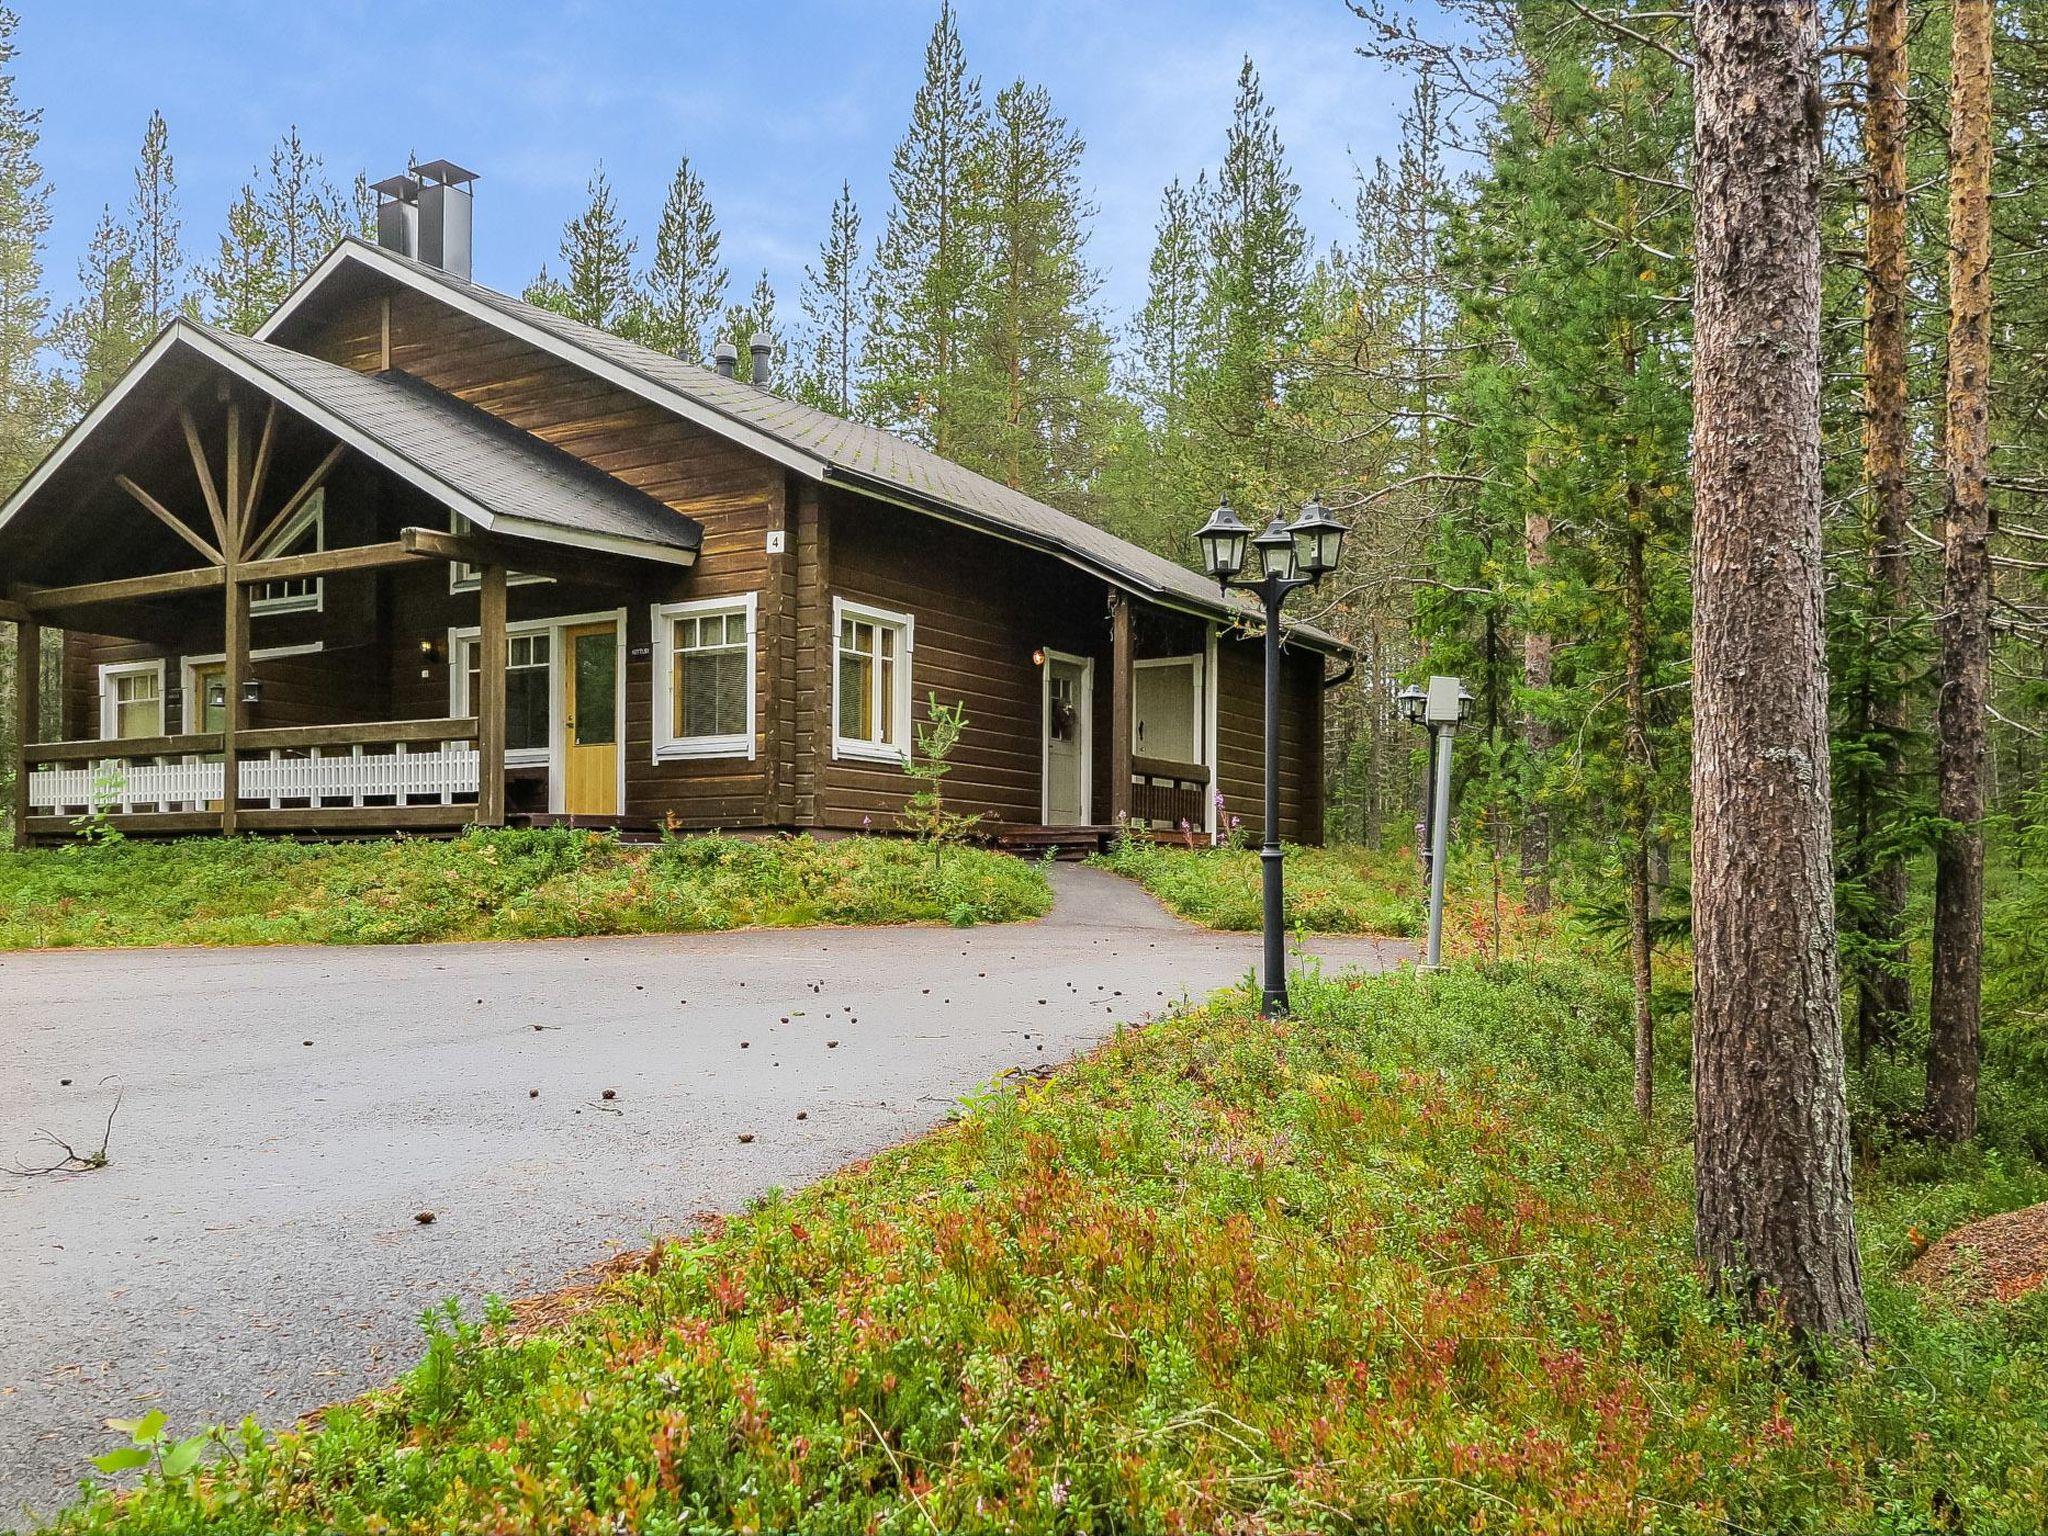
x=1240 y=737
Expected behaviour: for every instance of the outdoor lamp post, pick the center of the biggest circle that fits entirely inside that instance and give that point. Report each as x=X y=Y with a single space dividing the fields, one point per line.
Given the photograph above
x=1441 y=709
x=1291 y=555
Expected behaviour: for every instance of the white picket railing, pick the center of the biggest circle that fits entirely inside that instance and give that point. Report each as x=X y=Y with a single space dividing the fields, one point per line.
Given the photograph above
x=405 y=774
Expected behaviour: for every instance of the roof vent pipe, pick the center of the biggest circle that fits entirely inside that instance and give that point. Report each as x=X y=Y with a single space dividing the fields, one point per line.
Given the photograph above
x=726 y=357
x=762 y=348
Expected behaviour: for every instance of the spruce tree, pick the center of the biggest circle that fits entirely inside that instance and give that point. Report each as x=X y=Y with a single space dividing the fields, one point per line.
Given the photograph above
x=930 y=263
x=685 y=286
x=303 y=212
x=1254 y=303
x=104 y=330
x=597 y=260
x=28 y=402
x=1034 y=385
x=155 y=228
x=1164 y=337
x=834 y=301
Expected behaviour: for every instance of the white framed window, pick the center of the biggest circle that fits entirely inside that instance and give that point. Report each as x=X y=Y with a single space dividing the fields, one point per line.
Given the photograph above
x=704 y=678
x=871 y=657
x=131 y=700
x=305 y=534
x=464 y=577
x=529 y=691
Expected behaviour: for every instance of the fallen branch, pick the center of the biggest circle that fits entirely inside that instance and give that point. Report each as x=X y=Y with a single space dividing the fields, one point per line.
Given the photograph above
x=73 y=1161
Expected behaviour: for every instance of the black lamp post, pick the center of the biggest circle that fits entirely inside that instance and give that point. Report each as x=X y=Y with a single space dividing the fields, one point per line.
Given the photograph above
x=1291 y=555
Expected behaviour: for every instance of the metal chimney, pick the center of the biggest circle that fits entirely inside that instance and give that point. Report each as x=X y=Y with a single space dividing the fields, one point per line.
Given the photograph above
x=762 y=348
x=398 y=215
x=725 y=356
x=444 y=217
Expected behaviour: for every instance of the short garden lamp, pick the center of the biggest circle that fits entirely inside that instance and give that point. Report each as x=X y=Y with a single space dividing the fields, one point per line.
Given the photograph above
x=1223 y=539
x=1292 y=554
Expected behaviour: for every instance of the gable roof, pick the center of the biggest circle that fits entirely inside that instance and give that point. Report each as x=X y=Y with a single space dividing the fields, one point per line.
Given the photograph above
x=802 y=438
x=500 y=478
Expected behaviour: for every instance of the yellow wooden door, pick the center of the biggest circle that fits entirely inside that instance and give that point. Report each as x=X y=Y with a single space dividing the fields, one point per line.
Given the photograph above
x=590 y=708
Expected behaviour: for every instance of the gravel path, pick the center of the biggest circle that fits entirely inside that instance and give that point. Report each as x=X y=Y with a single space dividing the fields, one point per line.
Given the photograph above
x=252 y=1246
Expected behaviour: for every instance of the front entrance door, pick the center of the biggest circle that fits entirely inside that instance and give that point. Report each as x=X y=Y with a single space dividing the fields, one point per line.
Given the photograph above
x=1067 y=706
x=590 y=721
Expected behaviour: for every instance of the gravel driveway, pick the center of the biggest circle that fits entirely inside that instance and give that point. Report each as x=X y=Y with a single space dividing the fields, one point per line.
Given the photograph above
x=252 y=1246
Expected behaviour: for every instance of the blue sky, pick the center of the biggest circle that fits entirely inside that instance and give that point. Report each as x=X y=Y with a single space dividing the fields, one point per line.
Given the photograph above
x=774 y=103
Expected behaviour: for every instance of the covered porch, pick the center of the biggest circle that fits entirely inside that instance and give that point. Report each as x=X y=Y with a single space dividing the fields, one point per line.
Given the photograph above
x=312 y=498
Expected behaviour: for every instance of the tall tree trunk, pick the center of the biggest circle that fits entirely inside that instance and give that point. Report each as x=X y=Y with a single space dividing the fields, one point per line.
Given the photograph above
x=1884 y=994
x=1638 y=768
x=1771 y=1145
x=1965 y=625
x=1537 y=732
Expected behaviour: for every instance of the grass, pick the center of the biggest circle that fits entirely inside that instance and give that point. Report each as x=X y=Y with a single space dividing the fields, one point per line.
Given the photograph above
x=490 y=885
x=1405 y=1263
x=1329 y=890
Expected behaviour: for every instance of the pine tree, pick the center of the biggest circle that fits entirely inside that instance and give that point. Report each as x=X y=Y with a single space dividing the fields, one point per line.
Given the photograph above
x=930 y=263
x=108 y=326
x=685 y=287
x=28 y=402
x=154 y=228
x=1034 y=385
x=303 y=212
x=743 y=324
x=597 y=258
x=1254 y=304
x=247 y=279
x=834 y=301
x=1165 y=335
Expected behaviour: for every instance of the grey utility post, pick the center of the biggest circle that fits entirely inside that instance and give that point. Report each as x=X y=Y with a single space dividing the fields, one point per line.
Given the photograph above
x=1440 y=709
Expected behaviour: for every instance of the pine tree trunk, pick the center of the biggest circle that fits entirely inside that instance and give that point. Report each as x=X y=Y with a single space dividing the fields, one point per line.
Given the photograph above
x=1639 y=767
x=1885 y=994
x=1965 y=626
x=1536 y=675
x=1771 y=1145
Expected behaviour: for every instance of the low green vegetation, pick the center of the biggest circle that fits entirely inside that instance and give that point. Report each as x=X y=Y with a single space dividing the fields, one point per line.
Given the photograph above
x=491 y=885
x=1329 y=890
x=1407 y=1262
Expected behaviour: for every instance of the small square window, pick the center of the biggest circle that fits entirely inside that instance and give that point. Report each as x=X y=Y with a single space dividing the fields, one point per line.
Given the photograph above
x=704 y=701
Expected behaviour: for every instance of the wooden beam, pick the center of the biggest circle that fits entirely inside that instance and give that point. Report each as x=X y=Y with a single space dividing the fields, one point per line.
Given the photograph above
x=564 y=562
x=261 y=470
x=384 y=335
x=357 y=818
x=163 y=584
x=326 y=562
x=290 y=509
x=170 y=520
x=369 y=733
x=221 y=532
x=1120 y=706
x=490 y=708
x=28 y=716
x=133 y=823
x=234 y=672
x=232 y=470
x=12 y=612
x=129 y=746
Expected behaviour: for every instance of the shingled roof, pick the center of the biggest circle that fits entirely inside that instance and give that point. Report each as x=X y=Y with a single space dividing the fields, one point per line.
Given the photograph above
x=497 y=476
x=813 y=442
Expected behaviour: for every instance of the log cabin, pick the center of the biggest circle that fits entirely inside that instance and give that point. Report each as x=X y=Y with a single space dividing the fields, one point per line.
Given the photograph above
x=418 y=555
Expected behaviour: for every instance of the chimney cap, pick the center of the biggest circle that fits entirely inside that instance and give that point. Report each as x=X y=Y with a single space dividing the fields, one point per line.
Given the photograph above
x=401 y=189
x=446 y=172
x=725 y=354
x=762 y=342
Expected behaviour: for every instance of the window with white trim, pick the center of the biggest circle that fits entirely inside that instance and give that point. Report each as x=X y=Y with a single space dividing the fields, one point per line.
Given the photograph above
x=464 y=577
x=305 y=534
x=132 y=701
x=871 y=682
x=529 y=692
x=704 y=688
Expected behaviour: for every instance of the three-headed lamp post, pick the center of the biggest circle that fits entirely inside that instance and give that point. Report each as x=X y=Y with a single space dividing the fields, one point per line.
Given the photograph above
x=1292 y=555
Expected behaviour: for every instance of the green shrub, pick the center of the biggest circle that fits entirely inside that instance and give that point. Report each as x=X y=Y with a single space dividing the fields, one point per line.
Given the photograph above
x=1329 y=890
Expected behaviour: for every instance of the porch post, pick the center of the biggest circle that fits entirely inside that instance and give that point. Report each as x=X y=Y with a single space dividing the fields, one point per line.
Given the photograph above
x=490 y=701
x=28 y=698
x=1119 y=708
x=234 y=673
